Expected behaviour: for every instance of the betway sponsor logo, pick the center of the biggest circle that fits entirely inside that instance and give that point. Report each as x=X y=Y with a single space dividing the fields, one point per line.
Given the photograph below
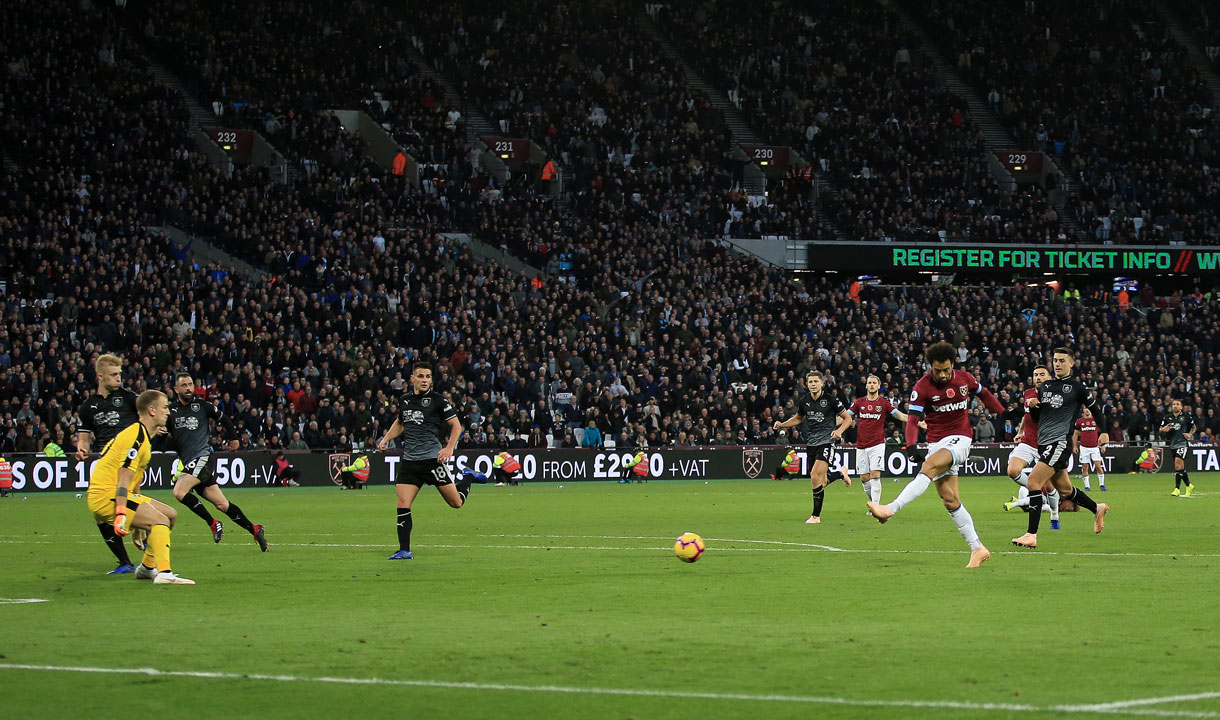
x=870 y=416
x=950 y=407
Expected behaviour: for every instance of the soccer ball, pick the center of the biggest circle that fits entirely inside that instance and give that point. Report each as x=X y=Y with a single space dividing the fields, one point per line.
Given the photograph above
x=689 y=547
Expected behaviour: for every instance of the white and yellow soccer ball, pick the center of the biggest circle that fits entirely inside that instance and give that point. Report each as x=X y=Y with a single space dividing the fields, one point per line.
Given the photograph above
x=689 y=547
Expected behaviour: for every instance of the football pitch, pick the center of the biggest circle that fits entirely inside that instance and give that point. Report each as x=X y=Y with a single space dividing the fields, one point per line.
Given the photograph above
x=543 y=602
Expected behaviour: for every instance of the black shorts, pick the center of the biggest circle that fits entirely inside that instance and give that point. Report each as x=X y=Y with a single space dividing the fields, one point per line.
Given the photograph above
x=1181 y=451
x=825 y=453
x=1055 y=454
x=200 y=467
x=423 y=472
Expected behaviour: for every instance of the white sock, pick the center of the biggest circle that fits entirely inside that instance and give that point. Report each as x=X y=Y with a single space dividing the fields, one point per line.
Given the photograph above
x=1053 y=496
x=1023 y=497
x=1085 y=478
x=1101 y=479
x=1022 y=478
x=914 y=489
x=867 y=487
x=965 y=526
x=876 y=491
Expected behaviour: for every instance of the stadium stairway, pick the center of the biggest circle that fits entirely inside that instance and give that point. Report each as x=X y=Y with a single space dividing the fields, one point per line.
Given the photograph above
x=755 y=181
x=205 y=253
x=1197 y=58
x=994 y=134
x=477 y=126
x=201 y=117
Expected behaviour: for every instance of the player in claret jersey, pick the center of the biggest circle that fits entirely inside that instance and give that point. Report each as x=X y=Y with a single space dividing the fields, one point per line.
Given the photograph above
x=942 y=397
x=1091 y=444
x=870 y=413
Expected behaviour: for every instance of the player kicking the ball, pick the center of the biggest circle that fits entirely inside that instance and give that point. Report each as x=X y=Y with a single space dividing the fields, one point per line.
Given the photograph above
x=943 y=398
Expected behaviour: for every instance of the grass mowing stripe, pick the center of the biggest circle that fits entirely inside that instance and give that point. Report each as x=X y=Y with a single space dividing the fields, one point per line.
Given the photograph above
x=1106 y=709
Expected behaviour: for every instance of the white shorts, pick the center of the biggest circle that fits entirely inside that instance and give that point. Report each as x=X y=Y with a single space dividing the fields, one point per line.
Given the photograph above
x=958 y=446
x=1027 y=453
x=1089 y=455
x=870 y=459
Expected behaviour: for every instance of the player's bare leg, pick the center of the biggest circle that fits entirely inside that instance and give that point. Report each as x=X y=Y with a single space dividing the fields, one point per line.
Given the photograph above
x=946 y=487
x=1099 y=520
x=935 y=464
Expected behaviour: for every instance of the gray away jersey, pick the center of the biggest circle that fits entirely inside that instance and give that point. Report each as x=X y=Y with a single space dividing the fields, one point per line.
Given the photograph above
x=1059 y=404
x=106 y=417
x=424 y=419
x=189 y=430
x=819 y=417
x=1178 y=426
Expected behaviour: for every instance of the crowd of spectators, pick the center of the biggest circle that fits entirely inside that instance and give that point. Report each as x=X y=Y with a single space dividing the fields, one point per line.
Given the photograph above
x=638 y=333
x=846 y=86
x=1105 y=87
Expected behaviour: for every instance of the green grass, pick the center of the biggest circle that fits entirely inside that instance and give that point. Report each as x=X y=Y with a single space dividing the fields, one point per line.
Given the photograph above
x=577 y=591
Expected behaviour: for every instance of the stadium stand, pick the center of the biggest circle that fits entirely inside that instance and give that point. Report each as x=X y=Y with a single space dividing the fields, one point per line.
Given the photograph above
x=637 y=324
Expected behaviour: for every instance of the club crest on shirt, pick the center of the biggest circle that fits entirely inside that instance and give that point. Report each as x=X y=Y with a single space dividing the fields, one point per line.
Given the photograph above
x=116 y=401
x=194 y=407
x=425 y=402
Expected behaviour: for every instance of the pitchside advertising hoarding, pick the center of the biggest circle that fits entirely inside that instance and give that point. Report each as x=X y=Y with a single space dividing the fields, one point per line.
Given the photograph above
x=973 y=257
x=32 y=474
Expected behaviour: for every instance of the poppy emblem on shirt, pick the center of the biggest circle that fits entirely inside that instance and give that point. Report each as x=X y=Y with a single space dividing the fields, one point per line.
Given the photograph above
x=950 y=393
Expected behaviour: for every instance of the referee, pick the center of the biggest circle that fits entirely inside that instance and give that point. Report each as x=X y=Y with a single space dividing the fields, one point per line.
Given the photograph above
x=422 y=416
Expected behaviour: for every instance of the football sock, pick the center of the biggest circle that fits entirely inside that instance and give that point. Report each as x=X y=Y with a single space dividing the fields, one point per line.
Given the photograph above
x=1085 y=478
x=1022 y=478
x=1023 y=496
x=404 y=528
x=239 y=517
x=965 y=526
x=1101 y=479
x=158 y=542
x=1186 y=477
x=195 y=505
x=913 y=489
x=876 y=493
x=1081 y=500
x=867 y=487
x=819 y=494
x=1052 y=497
x=1177 y=479
x=463 y=489
x=114 y=542
x=1035 y=512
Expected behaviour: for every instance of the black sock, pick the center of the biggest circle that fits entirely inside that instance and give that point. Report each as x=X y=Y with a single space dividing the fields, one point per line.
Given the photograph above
x=463 y=489
x=1186 y=478
x=114 y=542
x=239 y=517
x=1084 y=501
x=195 y=505
x=1035 y=510
x=818 y=495
x=1177 y=479
x=404 y=529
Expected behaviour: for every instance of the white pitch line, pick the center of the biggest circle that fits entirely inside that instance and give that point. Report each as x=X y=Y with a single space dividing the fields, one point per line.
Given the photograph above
x=628 y=692
x=1122 y=704
x=790 y=547
x=21 y=601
